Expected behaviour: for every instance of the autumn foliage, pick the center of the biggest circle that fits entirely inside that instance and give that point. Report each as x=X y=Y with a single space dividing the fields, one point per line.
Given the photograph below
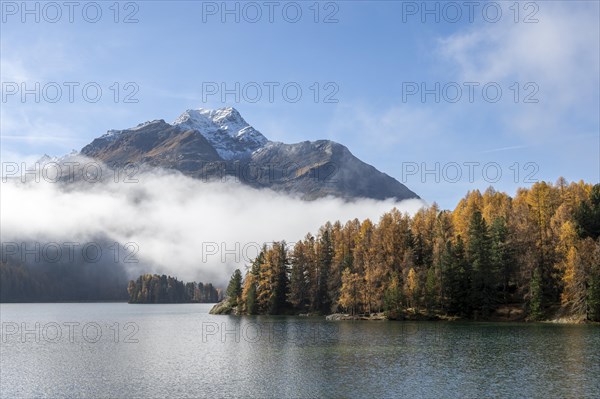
x=539 y=251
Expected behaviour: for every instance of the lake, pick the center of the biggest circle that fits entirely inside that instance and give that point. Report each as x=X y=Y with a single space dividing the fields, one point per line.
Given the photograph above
x=116 y=350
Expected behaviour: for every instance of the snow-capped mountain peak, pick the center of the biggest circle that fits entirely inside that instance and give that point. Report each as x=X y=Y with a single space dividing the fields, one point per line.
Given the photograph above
x=197 y=143
x=224 y=128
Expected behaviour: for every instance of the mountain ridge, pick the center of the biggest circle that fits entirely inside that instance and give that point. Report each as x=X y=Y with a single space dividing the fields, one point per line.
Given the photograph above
x=212 y=144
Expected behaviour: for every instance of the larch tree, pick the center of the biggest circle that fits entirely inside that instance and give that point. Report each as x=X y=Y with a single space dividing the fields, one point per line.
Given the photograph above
x=542 y=199
x=351 y=291
x=412 y=289
x=249 y=294
x=341 y=260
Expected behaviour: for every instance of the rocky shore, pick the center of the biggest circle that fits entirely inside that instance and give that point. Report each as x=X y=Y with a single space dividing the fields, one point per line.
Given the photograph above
x=507 y=313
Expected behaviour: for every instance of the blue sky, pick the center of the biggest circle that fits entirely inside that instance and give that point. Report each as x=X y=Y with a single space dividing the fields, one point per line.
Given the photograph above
x=373 y=58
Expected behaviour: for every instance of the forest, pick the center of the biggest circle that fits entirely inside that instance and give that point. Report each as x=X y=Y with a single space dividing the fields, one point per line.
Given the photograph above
x=154 y=288
x=75 y=281
x=538 y=252
x=91 y=282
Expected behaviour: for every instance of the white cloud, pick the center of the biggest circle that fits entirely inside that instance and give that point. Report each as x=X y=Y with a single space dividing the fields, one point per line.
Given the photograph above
x=170 y=217
x=25 y=126
x=13 y=70
x=559 y=53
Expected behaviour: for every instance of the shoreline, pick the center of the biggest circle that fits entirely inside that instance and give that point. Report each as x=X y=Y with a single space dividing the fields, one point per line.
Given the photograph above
x=422 y=317
x=505 y=314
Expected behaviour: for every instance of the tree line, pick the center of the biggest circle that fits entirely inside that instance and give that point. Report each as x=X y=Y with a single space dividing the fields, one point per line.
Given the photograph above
x=154 y=288
x=538 y=251
x=60 y=282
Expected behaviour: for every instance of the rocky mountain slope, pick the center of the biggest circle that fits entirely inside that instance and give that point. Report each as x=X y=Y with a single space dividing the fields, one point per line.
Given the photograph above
x=220 y=144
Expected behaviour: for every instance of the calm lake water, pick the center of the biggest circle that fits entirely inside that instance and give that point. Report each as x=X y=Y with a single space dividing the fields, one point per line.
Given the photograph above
x=116 y=350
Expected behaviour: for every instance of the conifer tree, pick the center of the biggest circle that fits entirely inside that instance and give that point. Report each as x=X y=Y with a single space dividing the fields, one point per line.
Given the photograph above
x=299 y=284
x=593 y=292
x=234 y=289
x=482 y=275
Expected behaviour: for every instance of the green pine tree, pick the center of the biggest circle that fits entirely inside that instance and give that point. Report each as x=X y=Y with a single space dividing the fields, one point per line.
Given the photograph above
x=234 y=289
x=482 y=280
x=536 y=301
x=593 y=291
x=393 y=298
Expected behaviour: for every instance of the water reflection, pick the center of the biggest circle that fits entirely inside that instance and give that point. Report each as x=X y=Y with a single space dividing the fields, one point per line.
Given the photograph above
x=182 y=351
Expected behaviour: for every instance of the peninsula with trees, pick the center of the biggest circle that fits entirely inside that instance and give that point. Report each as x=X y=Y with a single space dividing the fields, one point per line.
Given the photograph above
x=532 y=257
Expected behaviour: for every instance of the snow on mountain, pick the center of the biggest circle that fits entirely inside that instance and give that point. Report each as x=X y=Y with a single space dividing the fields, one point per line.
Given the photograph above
x=47 y=159
x=225 y=130
x=209 y=144
x=113 y=134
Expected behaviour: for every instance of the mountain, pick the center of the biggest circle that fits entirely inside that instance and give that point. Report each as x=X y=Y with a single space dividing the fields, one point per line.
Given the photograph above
x=225 y=129
x=220 y=144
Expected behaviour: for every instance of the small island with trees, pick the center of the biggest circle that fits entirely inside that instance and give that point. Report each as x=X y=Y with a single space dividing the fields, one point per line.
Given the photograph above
x=532 y=257
x=154 y=288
